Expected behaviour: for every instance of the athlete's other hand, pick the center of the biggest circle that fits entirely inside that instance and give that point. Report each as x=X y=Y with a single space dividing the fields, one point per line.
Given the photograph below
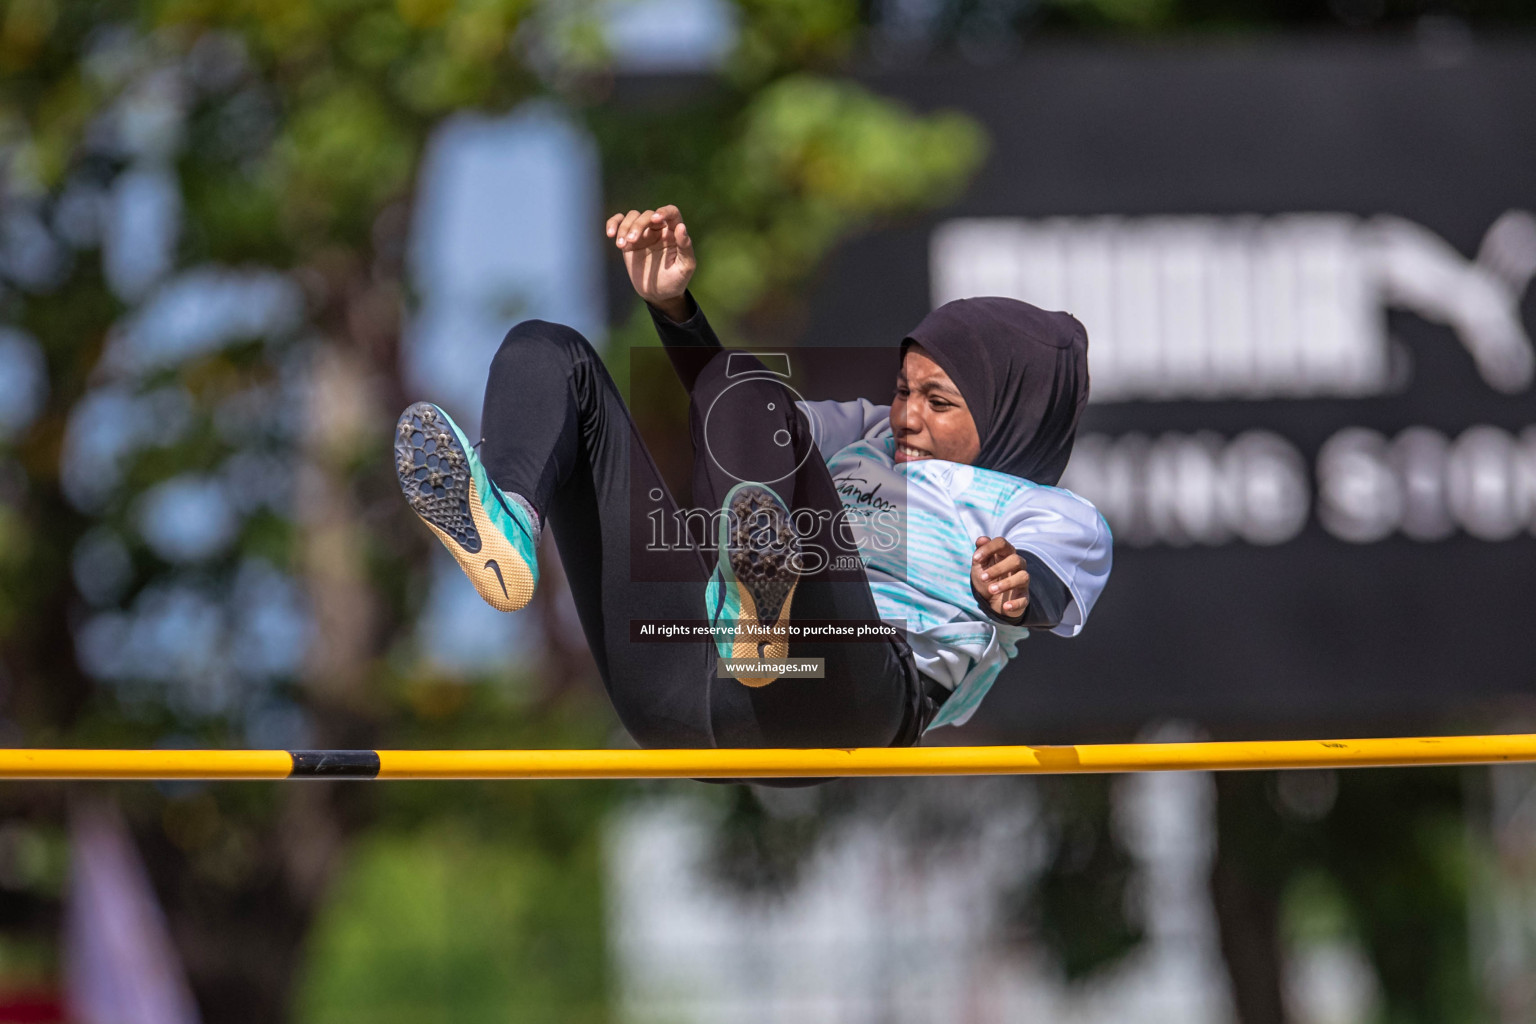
x=998 y=577
x=658 y=253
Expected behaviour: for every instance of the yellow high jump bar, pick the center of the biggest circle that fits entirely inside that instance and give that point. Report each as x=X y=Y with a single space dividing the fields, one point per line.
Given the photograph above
x=761 y=763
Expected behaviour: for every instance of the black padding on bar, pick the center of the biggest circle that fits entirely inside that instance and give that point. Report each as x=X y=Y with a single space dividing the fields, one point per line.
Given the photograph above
x=334 y=764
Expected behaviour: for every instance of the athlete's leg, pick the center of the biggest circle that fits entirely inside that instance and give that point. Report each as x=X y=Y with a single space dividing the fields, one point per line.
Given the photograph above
x=556 y=431
x=748 y=428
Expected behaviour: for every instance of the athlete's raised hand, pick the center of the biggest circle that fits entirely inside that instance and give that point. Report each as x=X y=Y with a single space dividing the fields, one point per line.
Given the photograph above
x=658 y=253
x=998 y=577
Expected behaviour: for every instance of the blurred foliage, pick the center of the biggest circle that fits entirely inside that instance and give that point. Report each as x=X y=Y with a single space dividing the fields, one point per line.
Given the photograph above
x=813 y=160
x=34 y=858
x=1071 y=889
x=1398 y=844
x=764 y=838
x=1082 y=902
x=280 y=143
x=1381 y=858
x=467 y=898
x=283 y=138
x=443 y=926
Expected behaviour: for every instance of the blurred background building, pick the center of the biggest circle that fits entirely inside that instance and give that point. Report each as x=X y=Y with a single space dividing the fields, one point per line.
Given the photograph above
x=235 y=240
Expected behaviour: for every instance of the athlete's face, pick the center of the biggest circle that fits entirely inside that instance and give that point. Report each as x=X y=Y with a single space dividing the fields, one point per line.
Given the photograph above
x=928 y=415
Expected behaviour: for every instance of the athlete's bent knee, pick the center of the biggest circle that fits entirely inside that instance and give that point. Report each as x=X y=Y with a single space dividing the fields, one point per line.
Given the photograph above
x=546 y=334
x=535 y=347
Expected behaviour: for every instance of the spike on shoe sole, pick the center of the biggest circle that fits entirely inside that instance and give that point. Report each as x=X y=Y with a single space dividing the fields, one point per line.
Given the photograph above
x=763 y=552
x=440 y=484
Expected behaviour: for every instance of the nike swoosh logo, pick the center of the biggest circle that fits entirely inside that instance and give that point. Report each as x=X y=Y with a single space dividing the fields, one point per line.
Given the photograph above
x=490 y=563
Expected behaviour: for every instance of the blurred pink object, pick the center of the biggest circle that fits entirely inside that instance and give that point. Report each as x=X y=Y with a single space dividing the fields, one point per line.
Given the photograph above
x=120 y=966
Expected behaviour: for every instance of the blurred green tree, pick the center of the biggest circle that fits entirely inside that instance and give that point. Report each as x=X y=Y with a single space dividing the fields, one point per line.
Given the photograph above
x=269 y=154
x=284 y=138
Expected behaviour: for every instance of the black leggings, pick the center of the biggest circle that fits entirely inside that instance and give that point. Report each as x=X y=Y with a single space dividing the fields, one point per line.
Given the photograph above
x=556 y=430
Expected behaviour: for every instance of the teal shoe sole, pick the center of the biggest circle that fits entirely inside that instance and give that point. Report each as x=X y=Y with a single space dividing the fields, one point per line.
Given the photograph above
x=445 y=485
x=760 y=558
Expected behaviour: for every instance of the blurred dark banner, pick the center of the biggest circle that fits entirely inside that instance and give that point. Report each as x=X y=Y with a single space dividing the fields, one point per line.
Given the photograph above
x=1303 y=268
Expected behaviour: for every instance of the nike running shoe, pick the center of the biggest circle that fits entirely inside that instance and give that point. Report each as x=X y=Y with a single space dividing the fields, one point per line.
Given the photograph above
x=755 y=576
x=491 y=534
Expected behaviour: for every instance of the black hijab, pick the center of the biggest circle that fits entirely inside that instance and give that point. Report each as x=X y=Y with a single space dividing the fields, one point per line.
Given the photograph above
x=1023 y=372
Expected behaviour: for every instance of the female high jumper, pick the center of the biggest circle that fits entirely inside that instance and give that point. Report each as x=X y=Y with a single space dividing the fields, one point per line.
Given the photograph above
x=945 y=497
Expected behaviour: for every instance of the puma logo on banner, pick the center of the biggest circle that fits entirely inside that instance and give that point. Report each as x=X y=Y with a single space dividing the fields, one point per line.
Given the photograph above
x=1294 y=306
x=1183 y=308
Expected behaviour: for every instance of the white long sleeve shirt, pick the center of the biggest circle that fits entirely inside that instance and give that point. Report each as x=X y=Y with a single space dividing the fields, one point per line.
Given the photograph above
x=922 y=580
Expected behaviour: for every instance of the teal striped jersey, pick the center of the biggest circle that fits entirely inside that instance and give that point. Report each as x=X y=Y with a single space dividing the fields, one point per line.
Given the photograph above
x=916 y=525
